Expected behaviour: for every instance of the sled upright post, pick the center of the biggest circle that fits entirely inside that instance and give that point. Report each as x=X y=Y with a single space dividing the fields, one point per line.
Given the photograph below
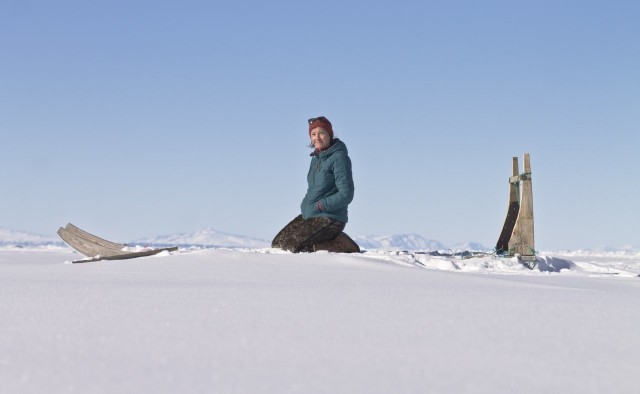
x=517 y=237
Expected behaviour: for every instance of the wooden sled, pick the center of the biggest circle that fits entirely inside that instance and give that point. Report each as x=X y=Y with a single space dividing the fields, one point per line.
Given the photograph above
x=96 y=248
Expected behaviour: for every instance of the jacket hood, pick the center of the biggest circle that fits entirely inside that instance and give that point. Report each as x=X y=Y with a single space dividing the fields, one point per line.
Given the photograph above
x=337 y=146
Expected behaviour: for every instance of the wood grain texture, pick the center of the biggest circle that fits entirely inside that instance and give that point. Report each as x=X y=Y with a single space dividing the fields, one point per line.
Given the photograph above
x=522 y=239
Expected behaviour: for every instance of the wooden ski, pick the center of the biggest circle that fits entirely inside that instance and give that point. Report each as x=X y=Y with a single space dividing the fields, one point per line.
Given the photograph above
x=97 y=248
x=88 y=247
x=128 y=255
x=522 y=240
x=81 y=245
x=92 y=238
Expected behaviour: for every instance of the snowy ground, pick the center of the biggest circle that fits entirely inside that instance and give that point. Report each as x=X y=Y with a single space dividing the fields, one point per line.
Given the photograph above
x=262 y=321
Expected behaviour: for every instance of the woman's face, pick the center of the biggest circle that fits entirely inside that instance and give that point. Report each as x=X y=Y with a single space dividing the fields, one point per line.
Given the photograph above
x=320 y=138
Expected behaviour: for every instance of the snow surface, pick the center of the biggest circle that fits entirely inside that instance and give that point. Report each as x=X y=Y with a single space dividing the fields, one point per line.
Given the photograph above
x=267 y=321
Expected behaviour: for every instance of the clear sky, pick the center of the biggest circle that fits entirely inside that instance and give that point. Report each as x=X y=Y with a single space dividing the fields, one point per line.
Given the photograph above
x=140 y=118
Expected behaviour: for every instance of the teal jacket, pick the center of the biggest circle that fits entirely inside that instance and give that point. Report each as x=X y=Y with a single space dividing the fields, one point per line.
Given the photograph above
x=330 y=184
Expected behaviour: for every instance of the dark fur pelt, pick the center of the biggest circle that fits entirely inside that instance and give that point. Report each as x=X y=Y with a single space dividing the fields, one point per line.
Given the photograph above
x=318 y=233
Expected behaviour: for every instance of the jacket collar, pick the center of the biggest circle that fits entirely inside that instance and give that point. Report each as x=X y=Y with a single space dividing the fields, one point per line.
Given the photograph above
x=334 y=145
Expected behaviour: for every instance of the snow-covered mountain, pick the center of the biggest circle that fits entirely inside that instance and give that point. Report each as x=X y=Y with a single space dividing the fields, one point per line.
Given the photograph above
x=470 y=246
x=208 y=238
x=214 y=238
x=26 y=239
x=398 y=241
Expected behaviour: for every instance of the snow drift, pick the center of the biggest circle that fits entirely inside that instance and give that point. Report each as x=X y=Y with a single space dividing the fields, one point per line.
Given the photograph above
x=267 y=321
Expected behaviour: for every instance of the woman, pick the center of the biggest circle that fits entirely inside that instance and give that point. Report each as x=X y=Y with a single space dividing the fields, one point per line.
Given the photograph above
x=329 y=192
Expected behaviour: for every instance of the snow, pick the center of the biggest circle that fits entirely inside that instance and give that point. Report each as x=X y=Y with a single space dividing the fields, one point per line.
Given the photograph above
x=252 y=320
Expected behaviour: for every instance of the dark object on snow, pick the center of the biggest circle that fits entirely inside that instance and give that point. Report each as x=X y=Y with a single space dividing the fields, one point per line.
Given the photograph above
x=502 y=246
x=318 y=233
x=340 y=244
x=100 y=249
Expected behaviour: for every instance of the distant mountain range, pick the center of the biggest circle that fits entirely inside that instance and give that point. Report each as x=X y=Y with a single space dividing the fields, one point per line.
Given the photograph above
x=25 y=239
x=205 y=238
x=214 y=238
x=398 y=241
x=412 y=242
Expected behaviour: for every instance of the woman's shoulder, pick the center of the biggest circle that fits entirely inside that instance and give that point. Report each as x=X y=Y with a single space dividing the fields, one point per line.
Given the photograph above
x=339 y=147
x=340 y=157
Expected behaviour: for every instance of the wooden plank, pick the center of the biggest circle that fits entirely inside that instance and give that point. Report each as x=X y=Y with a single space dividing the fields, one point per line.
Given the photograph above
x=97 y=248
x=522 y=239
x=514 y=189
x=128 y=255
x=78 y=232
x=78 y=244
x=502 y=246
x=87 y=247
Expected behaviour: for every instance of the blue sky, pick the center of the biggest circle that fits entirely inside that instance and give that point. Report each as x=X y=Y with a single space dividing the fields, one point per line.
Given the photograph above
x=141 y=118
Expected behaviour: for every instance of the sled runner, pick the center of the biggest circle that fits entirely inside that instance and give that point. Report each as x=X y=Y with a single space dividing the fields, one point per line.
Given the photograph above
x=97 y=248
